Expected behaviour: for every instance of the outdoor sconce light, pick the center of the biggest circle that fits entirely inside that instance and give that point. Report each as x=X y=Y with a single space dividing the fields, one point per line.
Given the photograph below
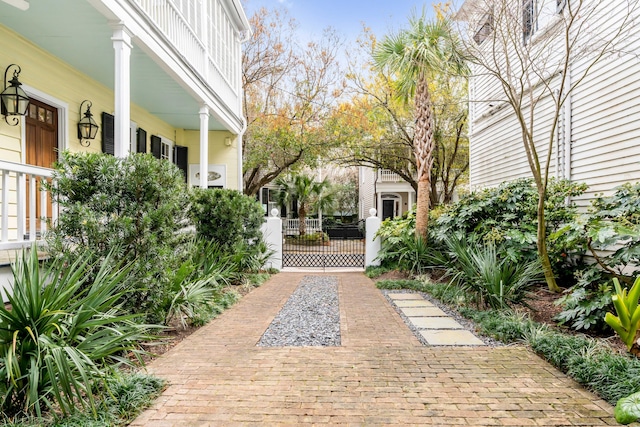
x=87 y=127
x=13 y=100
x=227 y=142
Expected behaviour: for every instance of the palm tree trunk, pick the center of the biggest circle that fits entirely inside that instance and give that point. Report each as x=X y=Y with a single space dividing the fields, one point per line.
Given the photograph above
x=302 y=220
x=423 y=147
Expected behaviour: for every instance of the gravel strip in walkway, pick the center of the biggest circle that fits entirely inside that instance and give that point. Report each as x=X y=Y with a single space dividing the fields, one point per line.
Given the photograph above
x=310 y=317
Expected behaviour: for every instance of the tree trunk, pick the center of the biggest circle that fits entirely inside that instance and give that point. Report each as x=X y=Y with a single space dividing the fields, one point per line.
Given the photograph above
x=423 y=150
x=422 y=208
x=541 y=243
x=302 y=220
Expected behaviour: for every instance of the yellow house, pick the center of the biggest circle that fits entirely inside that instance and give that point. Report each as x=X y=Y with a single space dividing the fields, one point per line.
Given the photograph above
x=157 y=76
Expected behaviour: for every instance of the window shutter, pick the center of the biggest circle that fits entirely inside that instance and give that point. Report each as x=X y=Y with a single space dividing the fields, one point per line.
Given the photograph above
x=141 y=143
x=181 y=159
x=156 y=146
x=108 y=133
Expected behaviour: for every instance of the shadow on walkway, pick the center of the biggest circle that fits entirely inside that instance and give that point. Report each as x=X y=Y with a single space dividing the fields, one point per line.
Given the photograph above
x=381 y=375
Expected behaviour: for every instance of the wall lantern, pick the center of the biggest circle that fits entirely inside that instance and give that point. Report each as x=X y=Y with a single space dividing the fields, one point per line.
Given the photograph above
x=227 y=142
x=13 y=100
x=87 y=127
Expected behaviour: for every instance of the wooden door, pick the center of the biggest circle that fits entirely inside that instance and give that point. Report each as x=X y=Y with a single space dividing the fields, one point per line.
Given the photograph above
x=41 y=125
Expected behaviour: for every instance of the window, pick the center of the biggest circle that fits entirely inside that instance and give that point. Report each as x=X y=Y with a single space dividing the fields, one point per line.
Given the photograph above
x=485 y=29
x=528 y=19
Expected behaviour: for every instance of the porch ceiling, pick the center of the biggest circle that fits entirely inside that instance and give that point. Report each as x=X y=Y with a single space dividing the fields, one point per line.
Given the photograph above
x=80 y=35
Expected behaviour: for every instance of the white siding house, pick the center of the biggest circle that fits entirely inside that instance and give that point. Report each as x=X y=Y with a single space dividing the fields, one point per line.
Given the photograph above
x=384 y=190
x=597 y=138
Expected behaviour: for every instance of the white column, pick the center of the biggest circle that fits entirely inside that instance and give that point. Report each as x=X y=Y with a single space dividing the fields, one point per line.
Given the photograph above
x=240 y=165
x=204 y=145
x=379 y=203
x=410 y=200
x=372 y=247
x=272 y=234
x=122 y=88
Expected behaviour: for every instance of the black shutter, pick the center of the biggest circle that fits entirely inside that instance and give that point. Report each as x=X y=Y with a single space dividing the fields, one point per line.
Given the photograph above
x=156 y=146
x=181 y=159
x=141 y=143
x=108 y=133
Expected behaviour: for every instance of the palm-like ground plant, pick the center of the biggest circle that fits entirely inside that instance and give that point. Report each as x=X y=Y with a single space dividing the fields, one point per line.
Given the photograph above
x=62 y=333
x=497 y=282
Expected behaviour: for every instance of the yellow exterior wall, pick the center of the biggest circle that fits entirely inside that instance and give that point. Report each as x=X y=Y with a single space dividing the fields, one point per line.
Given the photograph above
x=48 y=74
x=57 y=79
x=219 y=153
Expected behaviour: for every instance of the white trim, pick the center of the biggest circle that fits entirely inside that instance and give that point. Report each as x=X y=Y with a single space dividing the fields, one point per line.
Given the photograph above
x=133 y=137
x=63 y=119
x=170 y=143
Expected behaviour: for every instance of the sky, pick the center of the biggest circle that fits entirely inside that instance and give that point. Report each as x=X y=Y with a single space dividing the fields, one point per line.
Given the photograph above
x=345 y=16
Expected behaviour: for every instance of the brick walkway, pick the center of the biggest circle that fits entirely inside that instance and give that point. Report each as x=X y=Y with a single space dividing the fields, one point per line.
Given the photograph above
x=381 y=375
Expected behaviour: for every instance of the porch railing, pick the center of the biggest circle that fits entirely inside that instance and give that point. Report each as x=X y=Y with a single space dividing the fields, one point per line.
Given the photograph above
x=202 y=32
x=292 y=226
x=22 y=194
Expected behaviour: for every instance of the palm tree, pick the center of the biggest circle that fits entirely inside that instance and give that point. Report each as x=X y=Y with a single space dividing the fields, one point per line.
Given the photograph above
x=308 y=193
x=411 y=56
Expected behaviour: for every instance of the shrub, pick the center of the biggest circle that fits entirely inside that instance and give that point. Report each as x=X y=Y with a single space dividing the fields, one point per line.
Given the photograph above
x=506 y=216
x=133 y=207
x=63 y=331
x=226 y=217
x=584 y=307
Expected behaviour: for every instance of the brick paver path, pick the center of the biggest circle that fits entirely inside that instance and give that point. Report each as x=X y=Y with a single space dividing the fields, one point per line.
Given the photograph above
x=381 y=375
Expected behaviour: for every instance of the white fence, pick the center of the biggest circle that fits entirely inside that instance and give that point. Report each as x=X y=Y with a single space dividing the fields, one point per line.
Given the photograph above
x=292 y=226
x=22 y=195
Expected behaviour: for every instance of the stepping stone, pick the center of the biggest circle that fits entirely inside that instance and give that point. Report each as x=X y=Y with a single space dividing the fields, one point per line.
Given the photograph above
x=413 y=303
x=435 y=323
x=450 y=337
x=405 y=296
x=432 y=311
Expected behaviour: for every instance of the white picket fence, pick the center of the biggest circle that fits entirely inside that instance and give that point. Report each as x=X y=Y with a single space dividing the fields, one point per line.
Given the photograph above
x=291 y=226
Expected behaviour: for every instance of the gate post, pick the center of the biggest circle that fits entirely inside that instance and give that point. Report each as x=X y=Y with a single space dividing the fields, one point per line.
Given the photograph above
x=272 y=234
x=372 y=246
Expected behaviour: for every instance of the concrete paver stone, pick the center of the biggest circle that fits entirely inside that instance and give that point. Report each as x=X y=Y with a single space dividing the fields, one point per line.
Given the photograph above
x=423 y=312
x=405 y=296
x=450 y=337
x=435 y=323
x=381 y=375
x=413 y=303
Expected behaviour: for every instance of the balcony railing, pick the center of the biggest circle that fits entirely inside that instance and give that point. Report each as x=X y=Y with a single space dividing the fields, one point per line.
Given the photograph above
x=26 y=207
x=386 y=175
x=204 y=35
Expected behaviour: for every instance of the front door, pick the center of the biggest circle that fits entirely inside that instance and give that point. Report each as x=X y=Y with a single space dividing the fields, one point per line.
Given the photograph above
x=41 y=148
x=388 y=208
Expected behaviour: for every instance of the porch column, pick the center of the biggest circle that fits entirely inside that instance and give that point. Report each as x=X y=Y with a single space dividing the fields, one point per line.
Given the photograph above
x=204 y=145
x=378 y=206
x=410 y=200
x=240 y=165
x=122 y=88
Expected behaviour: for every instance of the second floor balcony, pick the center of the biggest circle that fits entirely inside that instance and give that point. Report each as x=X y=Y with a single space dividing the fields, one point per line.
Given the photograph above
x=170 y=57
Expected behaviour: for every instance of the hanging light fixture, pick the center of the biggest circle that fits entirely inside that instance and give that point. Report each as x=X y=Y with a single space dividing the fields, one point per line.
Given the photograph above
x=87 y=127
x=13 y=100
